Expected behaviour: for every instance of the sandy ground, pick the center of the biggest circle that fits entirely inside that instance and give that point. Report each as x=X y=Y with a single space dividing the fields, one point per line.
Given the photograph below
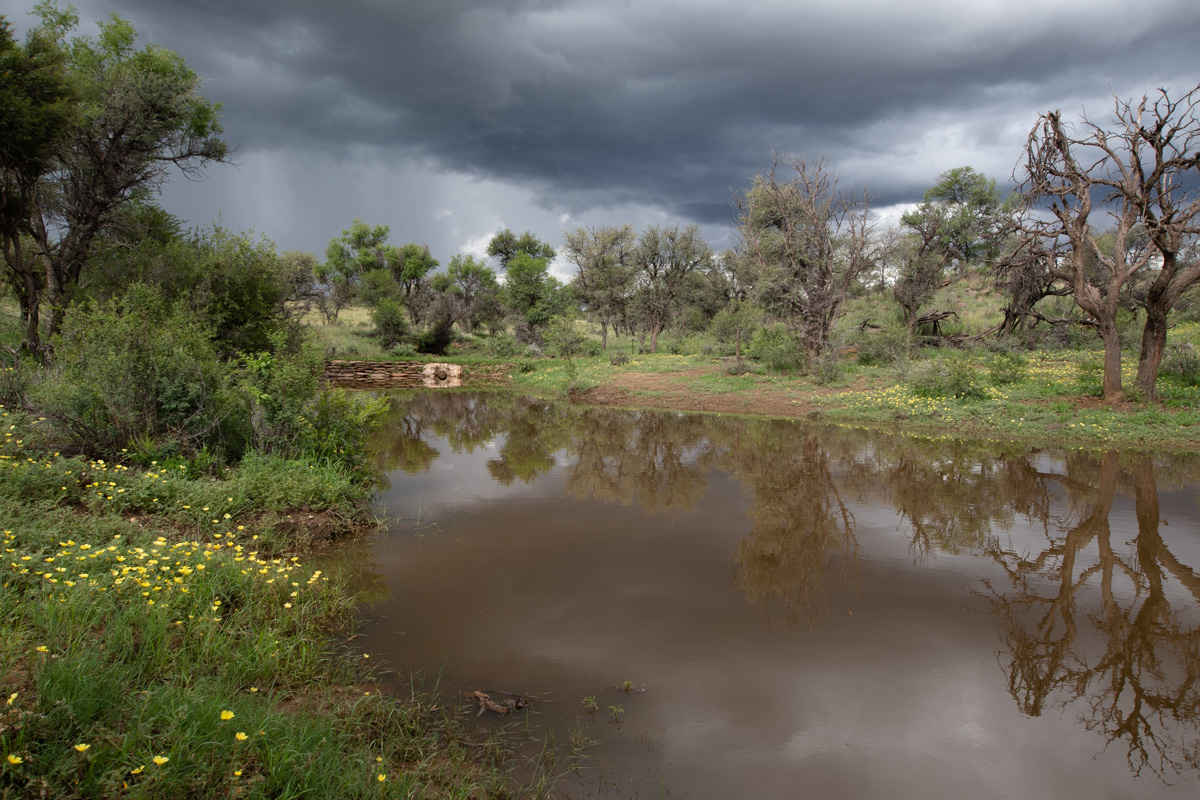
x=673 y=390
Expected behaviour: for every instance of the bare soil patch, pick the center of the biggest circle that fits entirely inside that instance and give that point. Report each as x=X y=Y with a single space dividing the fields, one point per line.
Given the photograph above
x=672 y=390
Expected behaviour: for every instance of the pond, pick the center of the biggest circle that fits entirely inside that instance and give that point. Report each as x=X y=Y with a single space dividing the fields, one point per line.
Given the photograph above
x=767 y=608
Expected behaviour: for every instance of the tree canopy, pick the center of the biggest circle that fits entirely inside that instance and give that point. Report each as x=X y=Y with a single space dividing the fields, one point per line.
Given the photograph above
x=99 y=123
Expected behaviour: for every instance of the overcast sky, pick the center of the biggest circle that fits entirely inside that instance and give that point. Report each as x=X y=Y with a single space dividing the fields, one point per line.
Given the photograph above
x=451 y=119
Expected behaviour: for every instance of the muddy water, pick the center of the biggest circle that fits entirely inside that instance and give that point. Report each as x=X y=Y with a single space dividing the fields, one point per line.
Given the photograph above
x=799 y=611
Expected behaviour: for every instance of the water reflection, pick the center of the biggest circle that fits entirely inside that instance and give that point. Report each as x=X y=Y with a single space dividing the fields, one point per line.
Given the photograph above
x=1086 y=618
x=1096 y=607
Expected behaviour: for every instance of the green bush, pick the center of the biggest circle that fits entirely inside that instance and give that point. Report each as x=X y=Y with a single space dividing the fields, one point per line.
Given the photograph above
x=1007 y=368
x=136 y=368
x=883 y=348
x=436 y=338
x=563 y=339
x=1090 y=377
x=776 y=348
x=391 y=325
x=1183 y=362
x=503 y=346
x=949 y=377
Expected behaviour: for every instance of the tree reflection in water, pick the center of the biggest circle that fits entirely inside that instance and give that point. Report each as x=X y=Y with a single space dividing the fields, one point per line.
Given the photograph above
x=1109 y=625
x=1087 y=619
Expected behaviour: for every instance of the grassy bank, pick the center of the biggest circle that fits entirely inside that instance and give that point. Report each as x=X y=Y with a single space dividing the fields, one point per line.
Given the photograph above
x=162 y=636
x=1043 y=396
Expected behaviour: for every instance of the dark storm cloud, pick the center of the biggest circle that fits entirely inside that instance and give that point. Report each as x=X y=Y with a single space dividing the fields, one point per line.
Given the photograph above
x=664 y=104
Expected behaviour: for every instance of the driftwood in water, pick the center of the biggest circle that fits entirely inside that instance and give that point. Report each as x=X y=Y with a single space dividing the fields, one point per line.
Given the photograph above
x=501 y=705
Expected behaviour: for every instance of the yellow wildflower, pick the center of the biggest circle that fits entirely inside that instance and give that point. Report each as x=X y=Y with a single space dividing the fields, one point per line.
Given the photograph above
x=226 y=716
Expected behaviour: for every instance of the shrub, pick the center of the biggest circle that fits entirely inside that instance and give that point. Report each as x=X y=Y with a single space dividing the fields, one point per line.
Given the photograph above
x=1090 y=378
x=563 y=339
x=883 y=348
x=827 y=368
x=504 y=346
x=1182 y=361
x=1007 y=368
x=436 y=338
x=950 y=377
x=776 y=348
x=134 y=367
x=391 y=325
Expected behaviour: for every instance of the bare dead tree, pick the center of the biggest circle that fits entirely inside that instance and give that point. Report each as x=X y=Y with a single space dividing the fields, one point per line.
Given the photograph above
x=1025 y=273
x=1065 y=166
x=1165 y=137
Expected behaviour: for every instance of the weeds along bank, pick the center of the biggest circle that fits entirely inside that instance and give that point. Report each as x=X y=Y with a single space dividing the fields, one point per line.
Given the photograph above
x=161 y=634
x=149 y=651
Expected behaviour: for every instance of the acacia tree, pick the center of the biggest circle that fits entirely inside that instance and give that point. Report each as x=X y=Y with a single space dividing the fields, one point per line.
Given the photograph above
x=604 y=259
x=664 y=261
x=471 y=291
x=807 y=242
x=968 y=212
x=39 y=111
x=1135 y=170
x=922 y=262
x=133 y=115
x=361 y=261
x=506 y=245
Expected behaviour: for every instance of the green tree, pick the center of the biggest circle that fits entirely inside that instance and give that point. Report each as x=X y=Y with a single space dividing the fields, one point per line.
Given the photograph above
x=604 y=260
x=969 y=213
x=471 y=290
x=39 y=112
x=532 y=295
x=506 y=246
x=665 y=260
x=133 y=115
x=807 y=243
x=361 y=248
x=921 y=259
x=360 y=263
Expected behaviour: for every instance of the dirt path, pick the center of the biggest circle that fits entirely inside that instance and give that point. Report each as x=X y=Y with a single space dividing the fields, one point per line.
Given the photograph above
x=682 y=391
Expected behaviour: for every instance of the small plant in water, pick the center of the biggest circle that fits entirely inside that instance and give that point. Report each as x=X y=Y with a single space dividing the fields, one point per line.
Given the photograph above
x=589 y=704
x=614 y=714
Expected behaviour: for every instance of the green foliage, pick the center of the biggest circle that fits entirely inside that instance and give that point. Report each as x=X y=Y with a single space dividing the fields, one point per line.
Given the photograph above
x=1006 y=369
x=237 y=282
x=827 y=367
x=391 y=325
x=883 y=347
x=336 y=426
x=1089 y=377
x=436 y=339
x=376 y=286
x=967 y=211
x=1182 y=362
x=776 y=348
x=506 y=246
x=947 y=377
x=531 y=293
x=133 y=113
x=503 y=346
x=738 y=319
x=136 y=367
x=618 y=359
x=565 y=340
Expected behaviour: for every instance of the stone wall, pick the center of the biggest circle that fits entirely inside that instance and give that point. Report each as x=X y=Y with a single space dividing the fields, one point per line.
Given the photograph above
x=412 y=375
